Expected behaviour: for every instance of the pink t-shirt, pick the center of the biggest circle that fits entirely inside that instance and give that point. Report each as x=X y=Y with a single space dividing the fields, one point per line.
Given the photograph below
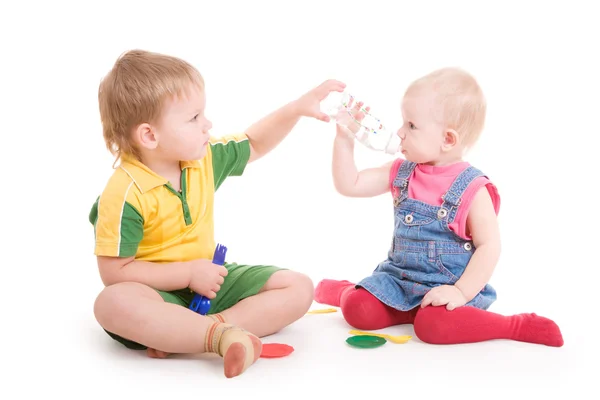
x=428 y=183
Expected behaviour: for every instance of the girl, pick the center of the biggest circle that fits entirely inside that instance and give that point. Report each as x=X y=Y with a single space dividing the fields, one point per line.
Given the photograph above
x=446 y=242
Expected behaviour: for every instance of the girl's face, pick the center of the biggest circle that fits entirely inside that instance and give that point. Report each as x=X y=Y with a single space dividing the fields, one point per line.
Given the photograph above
x=422 y=137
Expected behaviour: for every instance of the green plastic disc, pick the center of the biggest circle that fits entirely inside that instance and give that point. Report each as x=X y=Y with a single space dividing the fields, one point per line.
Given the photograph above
x=365 y=341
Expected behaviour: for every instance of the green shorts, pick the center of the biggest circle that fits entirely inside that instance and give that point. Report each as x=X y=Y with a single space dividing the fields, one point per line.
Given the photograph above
x=241 y=281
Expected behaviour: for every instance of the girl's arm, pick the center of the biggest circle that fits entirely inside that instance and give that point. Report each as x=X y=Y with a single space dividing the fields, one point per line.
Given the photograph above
x=482 y=224
x=347 y=179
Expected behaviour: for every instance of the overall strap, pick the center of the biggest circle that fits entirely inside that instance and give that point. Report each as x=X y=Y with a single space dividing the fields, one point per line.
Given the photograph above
x=453 y=197
x=401 y=180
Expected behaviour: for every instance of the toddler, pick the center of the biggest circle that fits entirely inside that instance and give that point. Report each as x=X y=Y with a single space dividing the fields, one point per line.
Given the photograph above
x=446 y=241
x=153 y=222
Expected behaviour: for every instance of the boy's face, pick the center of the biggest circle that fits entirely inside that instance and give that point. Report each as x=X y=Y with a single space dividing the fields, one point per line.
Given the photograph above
x=422 y=138
x=183 y=130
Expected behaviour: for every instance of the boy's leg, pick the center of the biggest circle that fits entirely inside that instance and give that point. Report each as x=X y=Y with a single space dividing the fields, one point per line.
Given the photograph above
x=262 y=299
x=137 y=312
x=169 y=297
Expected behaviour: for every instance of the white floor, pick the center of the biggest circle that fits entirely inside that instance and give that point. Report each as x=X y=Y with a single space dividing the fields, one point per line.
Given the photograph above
x=322 y=361
x=540 y=147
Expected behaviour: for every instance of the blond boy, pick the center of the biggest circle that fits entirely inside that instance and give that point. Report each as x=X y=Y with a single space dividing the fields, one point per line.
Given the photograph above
x=153 y=222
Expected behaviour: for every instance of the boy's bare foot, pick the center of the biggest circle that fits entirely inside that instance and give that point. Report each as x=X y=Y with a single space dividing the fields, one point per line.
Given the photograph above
x=152 y=353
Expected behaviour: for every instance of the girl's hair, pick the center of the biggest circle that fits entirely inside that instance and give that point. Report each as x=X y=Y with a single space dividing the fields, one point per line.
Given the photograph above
x=460 y=102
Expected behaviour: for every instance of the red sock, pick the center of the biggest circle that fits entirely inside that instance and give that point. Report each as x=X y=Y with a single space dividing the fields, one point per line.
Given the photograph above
x=437 y=325
x=360 y=308
x=330 y=292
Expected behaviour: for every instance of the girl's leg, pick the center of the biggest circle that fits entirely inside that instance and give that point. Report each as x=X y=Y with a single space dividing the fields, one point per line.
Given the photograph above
x=437 y=325
x=360 y=308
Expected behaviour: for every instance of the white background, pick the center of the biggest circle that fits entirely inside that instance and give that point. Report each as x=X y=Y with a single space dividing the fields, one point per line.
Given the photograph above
x=537 y=66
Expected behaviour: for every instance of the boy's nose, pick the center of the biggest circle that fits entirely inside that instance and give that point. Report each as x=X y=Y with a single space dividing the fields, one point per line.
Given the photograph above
x=400 y=133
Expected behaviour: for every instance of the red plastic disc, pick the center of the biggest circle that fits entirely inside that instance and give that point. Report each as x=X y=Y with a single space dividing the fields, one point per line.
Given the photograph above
x=274 y=350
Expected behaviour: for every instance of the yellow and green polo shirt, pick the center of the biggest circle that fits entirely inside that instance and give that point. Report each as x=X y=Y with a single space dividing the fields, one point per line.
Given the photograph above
x=140 y=214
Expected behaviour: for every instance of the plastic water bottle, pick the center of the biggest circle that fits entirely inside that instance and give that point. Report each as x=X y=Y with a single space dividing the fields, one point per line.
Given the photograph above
x=369 y=131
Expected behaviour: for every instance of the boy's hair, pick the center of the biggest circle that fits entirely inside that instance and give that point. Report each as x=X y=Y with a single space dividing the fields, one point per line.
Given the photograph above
x=460 y=100
x=135 y=91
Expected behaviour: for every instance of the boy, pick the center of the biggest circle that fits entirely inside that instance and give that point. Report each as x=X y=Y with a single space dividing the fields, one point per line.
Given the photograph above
x=153 y=222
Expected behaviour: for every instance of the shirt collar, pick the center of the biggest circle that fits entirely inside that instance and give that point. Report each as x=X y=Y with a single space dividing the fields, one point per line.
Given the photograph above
x=146 y=179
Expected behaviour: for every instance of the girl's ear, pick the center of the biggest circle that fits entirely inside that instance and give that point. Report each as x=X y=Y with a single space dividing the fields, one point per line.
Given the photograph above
x=451 y=139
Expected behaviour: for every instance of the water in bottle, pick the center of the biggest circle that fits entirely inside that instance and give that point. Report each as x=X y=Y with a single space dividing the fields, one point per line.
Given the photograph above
x=363 y=126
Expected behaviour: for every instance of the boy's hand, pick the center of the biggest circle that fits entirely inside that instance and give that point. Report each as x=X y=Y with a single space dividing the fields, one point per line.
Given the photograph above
x=265 y=134
x=309 y=104
x=206 y=278
x=445 y=295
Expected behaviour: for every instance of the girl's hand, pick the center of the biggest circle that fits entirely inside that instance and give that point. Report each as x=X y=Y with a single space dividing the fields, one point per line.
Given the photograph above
x=349 y=119
x=448 y=295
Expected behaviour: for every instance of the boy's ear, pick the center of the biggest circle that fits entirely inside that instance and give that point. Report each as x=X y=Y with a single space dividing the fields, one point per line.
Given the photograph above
x=451 y=139
x=145 y=136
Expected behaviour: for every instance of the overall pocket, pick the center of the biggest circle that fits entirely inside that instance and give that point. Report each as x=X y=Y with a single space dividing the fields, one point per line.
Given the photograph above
x=453 y=265
x=409 y=224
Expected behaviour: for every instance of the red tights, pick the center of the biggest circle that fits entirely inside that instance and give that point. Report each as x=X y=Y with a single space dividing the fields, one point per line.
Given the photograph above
x=436 y=325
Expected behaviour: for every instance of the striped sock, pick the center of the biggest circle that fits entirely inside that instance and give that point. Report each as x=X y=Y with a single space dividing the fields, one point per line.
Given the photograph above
x=217 y=317
x=212 y=341
x=239 y=348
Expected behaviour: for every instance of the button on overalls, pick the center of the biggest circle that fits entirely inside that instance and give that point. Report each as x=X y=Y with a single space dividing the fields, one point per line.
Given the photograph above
x=425 y=253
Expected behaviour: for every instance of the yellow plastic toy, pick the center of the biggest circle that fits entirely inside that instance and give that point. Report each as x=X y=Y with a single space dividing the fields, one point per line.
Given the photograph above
x=322 y=311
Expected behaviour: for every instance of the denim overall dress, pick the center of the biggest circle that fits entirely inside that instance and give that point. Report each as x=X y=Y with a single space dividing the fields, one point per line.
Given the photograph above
x=425 y=253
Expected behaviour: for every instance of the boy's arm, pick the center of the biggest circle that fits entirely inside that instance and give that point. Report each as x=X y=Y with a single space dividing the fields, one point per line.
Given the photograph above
x=347 y=180
x=165 y=277
x=118 y=230
x=482 y=223
x=268 y=132
x=265 y=134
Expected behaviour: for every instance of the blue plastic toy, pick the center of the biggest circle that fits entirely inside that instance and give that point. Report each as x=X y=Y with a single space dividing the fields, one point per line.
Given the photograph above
x=201 y=304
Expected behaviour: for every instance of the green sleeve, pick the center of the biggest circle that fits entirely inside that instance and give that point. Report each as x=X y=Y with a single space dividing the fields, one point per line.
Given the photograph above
x=230 y=156
x=117 y=234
